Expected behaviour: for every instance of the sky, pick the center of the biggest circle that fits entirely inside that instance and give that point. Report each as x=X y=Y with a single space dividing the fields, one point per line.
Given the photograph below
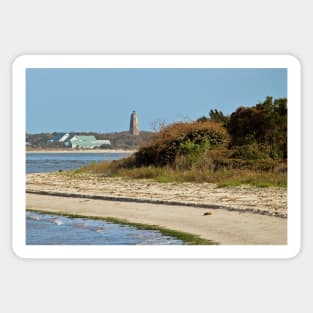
x=101 y=100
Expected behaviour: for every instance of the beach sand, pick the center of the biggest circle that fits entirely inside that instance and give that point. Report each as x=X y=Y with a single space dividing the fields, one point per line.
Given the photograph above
x=269 y=201
x=239 y=215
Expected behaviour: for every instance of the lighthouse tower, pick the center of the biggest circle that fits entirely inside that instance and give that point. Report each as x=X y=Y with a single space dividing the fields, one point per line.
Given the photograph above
x=133 y=127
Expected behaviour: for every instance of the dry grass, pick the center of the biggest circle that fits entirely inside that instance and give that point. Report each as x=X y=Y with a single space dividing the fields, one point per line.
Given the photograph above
x=222 y=177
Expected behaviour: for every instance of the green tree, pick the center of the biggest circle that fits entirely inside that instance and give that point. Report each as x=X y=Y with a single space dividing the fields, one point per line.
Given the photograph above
x=264 y=124
x=219 y=117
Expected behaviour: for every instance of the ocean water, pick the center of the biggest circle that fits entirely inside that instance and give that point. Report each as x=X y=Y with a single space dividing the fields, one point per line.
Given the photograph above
x=47 y=229
x=52 y=162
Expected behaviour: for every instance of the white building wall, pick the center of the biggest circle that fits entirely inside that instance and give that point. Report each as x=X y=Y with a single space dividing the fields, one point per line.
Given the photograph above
x=65 y=136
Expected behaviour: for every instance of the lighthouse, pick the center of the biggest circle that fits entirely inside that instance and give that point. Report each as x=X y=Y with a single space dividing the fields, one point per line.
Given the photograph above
x=133 y=127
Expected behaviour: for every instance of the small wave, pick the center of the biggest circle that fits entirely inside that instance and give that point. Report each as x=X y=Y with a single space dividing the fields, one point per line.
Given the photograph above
x=57 y=222
x=34 y=217
x=100 y=230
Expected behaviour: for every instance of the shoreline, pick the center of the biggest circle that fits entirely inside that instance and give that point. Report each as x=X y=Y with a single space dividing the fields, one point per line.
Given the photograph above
x=217 y=225
x=187 y=238
x=241 y=215
x=82 y=151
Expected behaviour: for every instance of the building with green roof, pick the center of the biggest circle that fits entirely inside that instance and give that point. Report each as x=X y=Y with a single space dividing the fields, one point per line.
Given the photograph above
x=87 y=142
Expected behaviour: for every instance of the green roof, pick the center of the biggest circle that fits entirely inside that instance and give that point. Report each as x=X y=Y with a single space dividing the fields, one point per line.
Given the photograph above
x=86 y=138
x=85 y=141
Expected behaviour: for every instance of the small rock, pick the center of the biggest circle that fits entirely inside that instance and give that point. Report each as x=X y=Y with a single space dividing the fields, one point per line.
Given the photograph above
x=207 y=213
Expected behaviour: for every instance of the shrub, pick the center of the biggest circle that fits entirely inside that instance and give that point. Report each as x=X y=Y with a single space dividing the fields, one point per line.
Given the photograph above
x=182 y=139
x=249 y=152
x=192 y=151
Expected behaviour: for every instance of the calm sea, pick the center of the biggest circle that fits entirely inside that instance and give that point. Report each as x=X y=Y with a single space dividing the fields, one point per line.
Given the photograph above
x=46 y=229
x=52 y=162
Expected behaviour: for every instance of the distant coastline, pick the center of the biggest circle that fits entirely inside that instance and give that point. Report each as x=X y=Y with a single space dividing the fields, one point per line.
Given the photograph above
x=81 y=151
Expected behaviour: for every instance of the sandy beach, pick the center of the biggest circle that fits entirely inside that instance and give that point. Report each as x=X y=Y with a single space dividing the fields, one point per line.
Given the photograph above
x=224 y=227
x=237 y=215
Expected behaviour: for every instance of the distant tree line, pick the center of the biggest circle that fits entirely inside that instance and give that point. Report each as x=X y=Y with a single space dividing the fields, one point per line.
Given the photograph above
x=119 y=140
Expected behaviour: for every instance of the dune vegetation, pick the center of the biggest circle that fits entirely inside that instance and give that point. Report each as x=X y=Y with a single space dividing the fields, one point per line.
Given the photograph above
x=247 y=147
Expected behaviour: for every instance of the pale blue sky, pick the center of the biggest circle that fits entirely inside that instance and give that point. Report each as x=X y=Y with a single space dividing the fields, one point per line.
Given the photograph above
x=102 y=100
